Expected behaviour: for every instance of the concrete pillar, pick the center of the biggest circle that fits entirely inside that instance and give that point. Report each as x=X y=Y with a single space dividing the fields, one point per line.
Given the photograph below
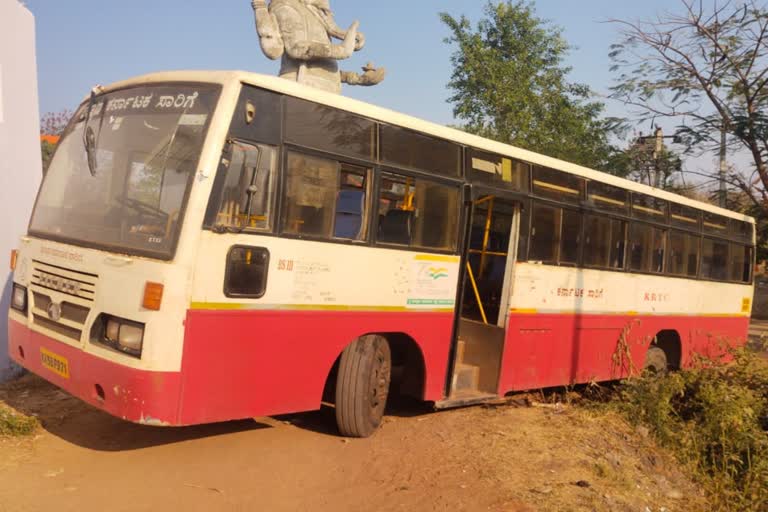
x=20 y=161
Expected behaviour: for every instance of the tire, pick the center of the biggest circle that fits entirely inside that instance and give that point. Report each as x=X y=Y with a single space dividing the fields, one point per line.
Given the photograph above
x=655 y=362
x=362 y=386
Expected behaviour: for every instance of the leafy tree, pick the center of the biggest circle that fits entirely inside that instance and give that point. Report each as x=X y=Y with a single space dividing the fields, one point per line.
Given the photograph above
x=707 y=68
x=47 y=149
x=510 y=84
x=52 y=123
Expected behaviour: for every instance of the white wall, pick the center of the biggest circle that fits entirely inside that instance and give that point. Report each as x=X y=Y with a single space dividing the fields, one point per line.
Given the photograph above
x=20 y=161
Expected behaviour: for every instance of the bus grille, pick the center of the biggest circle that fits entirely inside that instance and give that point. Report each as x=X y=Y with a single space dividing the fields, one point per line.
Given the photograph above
x=68 y=317
x=70 y=282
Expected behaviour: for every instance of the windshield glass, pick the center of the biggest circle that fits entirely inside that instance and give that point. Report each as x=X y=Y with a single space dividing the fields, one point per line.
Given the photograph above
x=144 y=145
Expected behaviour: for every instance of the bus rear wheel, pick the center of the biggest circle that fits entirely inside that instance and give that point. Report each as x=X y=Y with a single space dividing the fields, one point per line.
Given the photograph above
x=655 y=362
x=362 y=386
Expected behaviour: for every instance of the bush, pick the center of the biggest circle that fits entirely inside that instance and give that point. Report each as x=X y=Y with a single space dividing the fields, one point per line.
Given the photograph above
x=13 y=423
x=715 y=419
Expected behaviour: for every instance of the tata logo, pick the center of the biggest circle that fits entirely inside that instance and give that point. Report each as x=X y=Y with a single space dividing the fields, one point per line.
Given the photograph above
x=54 y=311
x=59 y=284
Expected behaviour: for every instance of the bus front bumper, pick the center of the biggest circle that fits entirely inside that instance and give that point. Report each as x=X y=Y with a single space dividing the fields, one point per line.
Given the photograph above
x=148 y=398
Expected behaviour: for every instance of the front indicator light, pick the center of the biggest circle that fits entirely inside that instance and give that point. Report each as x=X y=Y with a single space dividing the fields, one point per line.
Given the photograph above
x=19 y=298
x=153 y=296
x=14 y=259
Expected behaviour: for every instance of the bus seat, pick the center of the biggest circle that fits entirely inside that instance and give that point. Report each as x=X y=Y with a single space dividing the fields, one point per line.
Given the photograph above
x=395 y=227
x=349 y=214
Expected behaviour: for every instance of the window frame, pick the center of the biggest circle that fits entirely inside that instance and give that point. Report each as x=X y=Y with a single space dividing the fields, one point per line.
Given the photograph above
x=460 y=173
x=466 y=184
x=625 y=263
x=668 y=264
x=370 y=169
x=562 y=207
x=214 y=203
x=228 y=272
x=715 y=239
x=665 y=231
x=462 y=218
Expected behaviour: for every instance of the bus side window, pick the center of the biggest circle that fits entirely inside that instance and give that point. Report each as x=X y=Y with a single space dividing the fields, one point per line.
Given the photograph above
x=683 y=254
x=714 y=259
x=417 y=213
x=545 y=233
x=324 y=198
x=741 y=264
x=247 y=195
x=647 y=248
x=604 y=242
x=246 y=272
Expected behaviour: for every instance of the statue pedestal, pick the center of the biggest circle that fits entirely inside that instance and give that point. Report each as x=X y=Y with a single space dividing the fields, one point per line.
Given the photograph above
x=20 y=160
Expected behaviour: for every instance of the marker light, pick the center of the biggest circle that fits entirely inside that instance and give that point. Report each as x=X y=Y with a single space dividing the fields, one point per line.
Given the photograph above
x=14 y=259
x=153 y=296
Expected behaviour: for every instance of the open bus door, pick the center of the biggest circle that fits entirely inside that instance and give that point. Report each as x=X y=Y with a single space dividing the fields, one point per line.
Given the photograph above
x=490 y=252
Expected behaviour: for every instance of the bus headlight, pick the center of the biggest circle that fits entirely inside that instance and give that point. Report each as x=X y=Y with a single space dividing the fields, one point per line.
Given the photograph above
x=123 y=335
x=19 y=298
x=131 y=337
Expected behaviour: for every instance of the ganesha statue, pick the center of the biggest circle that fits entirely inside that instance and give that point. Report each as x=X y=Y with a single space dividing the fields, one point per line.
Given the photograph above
x=303 y=33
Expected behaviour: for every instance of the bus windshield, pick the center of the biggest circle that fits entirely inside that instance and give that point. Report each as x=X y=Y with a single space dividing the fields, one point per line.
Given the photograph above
x=143 y=144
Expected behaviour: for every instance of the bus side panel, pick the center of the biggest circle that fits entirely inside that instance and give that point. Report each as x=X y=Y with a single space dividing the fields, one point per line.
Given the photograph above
x=241 y=364
x=546 y=350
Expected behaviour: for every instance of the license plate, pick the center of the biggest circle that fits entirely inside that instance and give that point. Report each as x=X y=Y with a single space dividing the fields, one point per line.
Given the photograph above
x=54 y=362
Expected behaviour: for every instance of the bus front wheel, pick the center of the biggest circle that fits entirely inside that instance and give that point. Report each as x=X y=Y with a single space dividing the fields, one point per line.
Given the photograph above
x=362 y=386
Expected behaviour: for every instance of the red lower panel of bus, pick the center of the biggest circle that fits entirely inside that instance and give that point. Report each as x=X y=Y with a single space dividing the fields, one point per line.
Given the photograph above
x=259 y=363
x=547 y=350
x=139 y=396
x=239 y=364
x=236 y=364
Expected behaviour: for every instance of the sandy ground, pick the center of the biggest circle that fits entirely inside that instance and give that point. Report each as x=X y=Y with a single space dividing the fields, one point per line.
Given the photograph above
x=500 y=458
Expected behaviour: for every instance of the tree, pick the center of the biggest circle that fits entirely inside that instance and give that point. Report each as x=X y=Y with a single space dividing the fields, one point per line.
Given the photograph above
x=52 y=124
x=510 y=84
x=706 y=68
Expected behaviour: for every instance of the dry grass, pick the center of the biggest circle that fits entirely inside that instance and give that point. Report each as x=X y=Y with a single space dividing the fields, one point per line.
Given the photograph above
x=13 y=423
x=714 y=418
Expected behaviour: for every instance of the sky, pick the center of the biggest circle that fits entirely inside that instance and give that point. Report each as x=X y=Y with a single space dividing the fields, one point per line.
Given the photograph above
x=81 y=43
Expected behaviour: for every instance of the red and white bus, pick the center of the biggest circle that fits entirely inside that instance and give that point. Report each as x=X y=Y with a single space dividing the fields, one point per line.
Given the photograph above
x=209 y=246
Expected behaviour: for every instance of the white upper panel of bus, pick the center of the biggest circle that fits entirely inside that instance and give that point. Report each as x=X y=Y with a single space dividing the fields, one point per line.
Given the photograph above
x=279 y=85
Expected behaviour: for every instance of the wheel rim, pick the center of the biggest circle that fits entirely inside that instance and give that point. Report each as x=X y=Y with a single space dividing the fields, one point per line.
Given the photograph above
x=379 y=380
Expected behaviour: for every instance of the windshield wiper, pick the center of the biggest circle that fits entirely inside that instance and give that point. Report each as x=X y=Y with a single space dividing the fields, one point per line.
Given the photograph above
x=89 y=136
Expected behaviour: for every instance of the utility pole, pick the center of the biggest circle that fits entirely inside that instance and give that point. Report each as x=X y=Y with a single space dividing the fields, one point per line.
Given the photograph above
x=723 y=166
x=657 y=155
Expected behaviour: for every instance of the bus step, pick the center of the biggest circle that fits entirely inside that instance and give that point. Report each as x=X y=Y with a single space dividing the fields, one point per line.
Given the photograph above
x=466 y=378
x=464 y=399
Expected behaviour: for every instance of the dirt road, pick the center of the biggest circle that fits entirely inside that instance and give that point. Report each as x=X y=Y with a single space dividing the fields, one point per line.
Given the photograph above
x=493 y=458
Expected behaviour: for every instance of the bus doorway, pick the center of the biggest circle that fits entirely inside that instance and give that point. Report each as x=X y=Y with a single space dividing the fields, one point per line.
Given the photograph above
x=490 y=253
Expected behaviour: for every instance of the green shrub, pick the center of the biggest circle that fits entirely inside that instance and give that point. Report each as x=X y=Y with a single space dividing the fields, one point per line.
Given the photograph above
x=13 y=423
x=715 y=419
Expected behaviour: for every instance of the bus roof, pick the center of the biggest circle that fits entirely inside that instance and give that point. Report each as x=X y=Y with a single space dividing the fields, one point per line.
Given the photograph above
x=368 y=110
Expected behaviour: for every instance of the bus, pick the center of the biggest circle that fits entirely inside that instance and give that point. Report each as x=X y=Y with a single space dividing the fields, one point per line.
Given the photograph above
x=212 y=246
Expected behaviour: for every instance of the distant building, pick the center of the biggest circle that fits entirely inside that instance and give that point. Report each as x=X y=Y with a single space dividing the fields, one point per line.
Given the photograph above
x=20 y=164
